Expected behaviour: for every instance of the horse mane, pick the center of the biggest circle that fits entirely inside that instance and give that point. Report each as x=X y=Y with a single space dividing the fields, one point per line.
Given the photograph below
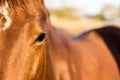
x=111 y=35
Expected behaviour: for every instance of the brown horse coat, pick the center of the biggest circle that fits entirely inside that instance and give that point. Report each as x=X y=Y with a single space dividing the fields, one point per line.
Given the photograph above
x=86 y=59
x=30 y=49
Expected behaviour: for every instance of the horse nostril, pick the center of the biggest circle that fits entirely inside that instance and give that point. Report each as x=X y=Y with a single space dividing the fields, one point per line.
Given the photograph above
x=40 y=37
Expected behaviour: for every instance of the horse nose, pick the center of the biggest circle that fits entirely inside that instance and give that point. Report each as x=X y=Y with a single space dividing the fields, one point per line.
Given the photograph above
x=41 y=37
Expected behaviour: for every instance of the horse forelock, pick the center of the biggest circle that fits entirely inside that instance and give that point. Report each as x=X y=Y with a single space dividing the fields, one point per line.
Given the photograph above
x=26 y=5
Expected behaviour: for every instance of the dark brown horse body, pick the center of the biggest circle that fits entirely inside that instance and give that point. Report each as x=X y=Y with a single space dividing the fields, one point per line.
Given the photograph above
x=30 y=49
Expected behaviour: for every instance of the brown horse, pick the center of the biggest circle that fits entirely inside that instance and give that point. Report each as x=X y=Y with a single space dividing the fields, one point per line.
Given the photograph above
x=30 y=49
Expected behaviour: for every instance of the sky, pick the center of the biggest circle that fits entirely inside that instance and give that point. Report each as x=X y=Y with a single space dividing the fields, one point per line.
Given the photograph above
x=90 y=7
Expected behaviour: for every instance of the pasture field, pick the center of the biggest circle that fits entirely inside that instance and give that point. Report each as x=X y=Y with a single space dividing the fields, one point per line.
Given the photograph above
x=74 y=27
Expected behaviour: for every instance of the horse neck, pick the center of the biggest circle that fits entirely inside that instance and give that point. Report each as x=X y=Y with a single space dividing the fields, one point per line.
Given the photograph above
x=50 y=75
x=58 y=45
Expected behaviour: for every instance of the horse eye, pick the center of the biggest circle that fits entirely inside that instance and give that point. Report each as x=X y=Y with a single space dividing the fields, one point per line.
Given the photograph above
x=40 y=37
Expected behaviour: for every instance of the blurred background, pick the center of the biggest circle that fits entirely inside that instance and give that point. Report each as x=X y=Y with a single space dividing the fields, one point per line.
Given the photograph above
x=76 y=16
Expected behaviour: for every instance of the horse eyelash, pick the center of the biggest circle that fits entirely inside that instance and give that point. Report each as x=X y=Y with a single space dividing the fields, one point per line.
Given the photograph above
x=43 y=23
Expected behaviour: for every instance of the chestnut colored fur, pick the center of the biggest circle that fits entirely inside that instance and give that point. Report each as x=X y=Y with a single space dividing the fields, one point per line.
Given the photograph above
x=55 y=56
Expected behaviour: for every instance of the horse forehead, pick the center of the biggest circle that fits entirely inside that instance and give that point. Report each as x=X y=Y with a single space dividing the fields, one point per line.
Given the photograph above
x=5 y=10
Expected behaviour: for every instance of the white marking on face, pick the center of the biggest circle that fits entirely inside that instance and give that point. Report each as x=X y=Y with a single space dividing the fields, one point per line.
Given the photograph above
x=4 y=12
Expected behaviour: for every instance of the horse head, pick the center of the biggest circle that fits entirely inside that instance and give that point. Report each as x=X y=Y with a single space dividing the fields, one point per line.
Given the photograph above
x=22 y=39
